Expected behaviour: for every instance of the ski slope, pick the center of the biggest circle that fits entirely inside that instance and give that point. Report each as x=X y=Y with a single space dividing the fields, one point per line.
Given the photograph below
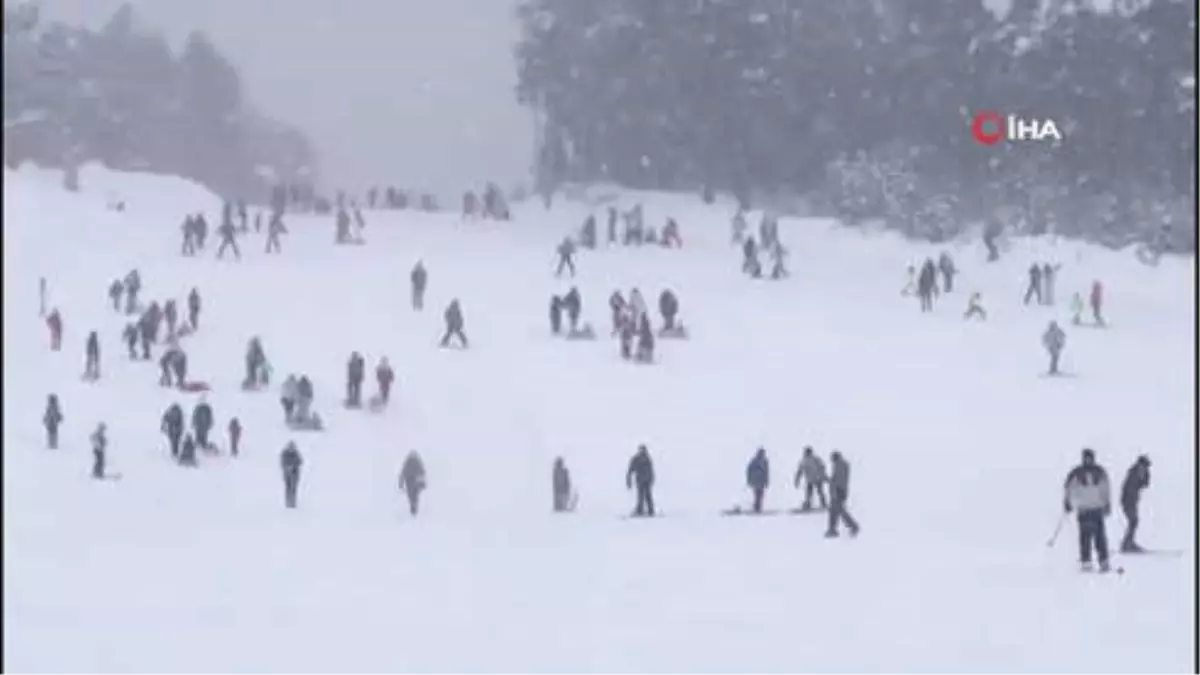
x=958 y=450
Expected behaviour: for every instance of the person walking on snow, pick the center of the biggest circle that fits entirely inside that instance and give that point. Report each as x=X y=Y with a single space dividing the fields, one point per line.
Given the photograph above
x=235 y=436
x=290 y=462
x=419 y=277
x=54 y=323
x=52 y=419
x=412 y=481
x=1054 y=339
x=641 y=475
x=758 y=477
x=91 y=367
x=1035 y=284
x=99 y=440
x=561 y=485
x=948 y=270
x=384 y=376
x=566 y=260
x=288 y=396
x=839 y=493
x=812 y=470
x=454 y=324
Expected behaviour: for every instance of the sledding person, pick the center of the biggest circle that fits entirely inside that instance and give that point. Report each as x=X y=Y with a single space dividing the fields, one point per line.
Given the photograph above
x=55 y=324
x=91 y=367
x=235 y=436
x=560 y=481
x=288 y=395
x=1086 y=491
x=275 y=228
x=573 y=304
x=412 y=480
x=812 y=470
x=641 y=475
x=99 y=440
x=1096 y=300
x=454 y=324
x=975 y=307
x=668 y=306
x=839 y=493
x=556 y=310
x=133 y=286
x=1035 y=284
x=645 y=346
x=355 y=371
x=130 y=337
x=1136 y=480
x=566 y=253
x=290 y=462
x=1054 y=339
x=1049 y=273
x=193 y=301
x=52 y=419
x=758 y=477
x=670 y=235
x=202 y=423
x=418 y=278
x=948 y=270
x=927 y=285
x=750 y=264
x=172 y=427
x=171 y=315
x=115 y=291
x=616 y=305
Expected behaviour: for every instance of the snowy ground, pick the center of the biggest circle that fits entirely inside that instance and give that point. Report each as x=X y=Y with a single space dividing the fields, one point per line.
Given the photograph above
x=958 y=450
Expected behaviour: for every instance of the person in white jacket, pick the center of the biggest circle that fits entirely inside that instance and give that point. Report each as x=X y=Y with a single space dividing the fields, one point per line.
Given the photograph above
x=1086 y=492
x=812 y=470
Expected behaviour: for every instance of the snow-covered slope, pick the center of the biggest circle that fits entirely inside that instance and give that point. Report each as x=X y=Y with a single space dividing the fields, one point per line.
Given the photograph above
x=958 y=450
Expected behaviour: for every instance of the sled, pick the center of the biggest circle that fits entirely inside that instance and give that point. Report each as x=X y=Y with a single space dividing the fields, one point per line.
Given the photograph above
x=584 y=333
x=194 y=387
x=679 y=332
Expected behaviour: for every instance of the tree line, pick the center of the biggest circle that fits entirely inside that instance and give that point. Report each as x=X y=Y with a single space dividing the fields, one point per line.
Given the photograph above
x=120 y=95
x=866 y=107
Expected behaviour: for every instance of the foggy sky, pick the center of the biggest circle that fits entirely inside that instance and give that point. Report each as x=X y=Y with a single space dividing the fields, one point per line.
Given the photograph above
x=417 y=93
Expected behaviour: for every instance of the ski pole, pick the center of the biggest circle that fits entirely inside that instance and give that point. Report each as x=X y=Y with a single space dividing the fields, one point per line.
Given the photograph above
x=1057 y=528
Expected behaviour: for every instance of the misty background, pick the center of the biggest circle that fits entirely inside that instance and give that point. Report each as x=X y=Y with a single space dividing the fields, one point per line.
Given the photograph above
x=412 y=94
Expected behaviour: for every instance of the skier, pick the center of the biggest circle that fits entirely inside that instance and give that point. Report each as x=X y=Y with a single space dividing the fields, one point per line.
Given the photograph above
x=927 y=285
x=202 y=423
x=616 y=304
x=55 y=324
x=641 y=474
x=1054 y=340
x=1136 y=480
x=1096 y=299
x=290 y=461
x=384 y=376
x=975 y=308
x=133 y=286
x=355 y=371
x=412 y=480
x=668 y=306
x=839 y=492
x=1049 y=272
x=193 y=301
x=172 y=426
x=275 y=228
x=228 y=232
x=187 y=452
x=948 y=270
x=573 y=304
x=99 y=440
x=1035 y=284
x=130 y=337
x=115 y=291
x=235 y=436
x=566 y=253
x=288 y=396
x=645 y=346
x=52 y=419
x=419 y=277
x=750 y=264
x=171 y=314
x=561 y=485
x=556 y=309
x=1086 y=491
x=454 y=324
x=758 y=477
x=812 y=470
x=91 y=368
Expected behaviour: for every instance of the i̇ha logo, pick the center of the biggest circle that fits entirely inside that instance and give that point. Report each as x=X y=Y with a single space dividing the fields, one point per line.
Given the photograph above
x=989 y=127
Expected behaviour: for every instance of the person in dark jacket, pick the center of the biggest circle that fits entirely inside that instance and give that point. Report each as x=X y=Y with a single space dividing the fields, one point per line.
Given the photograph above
x=235 y=436
x=256 y=360
x=927 y=285
x=172 y=426
x=171 y=315
x=1136 y=480
x=193 y=301
x=750 y=263
x=99 y=440
x=454 y=324
x=54 y=322
x=179 y=363
x=164 y=367
x=573 y=304
x=566 y=257
x=668 y=306
x=419 y=278
x=758 y=477
x=556 y=309
x=384 y=376
x=290 y=462
x=1086 y=491
x=948 y=270
x=52 y=419
x=561 y=484
x=145 y=334
x=115 y=291
x=130 y=337
x=839 y=493
x=355 y=372
x=645 y=346
x=202 y=423
x=641 y=475
x=91 y=368
x=1035 y=284
x=412 y=480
